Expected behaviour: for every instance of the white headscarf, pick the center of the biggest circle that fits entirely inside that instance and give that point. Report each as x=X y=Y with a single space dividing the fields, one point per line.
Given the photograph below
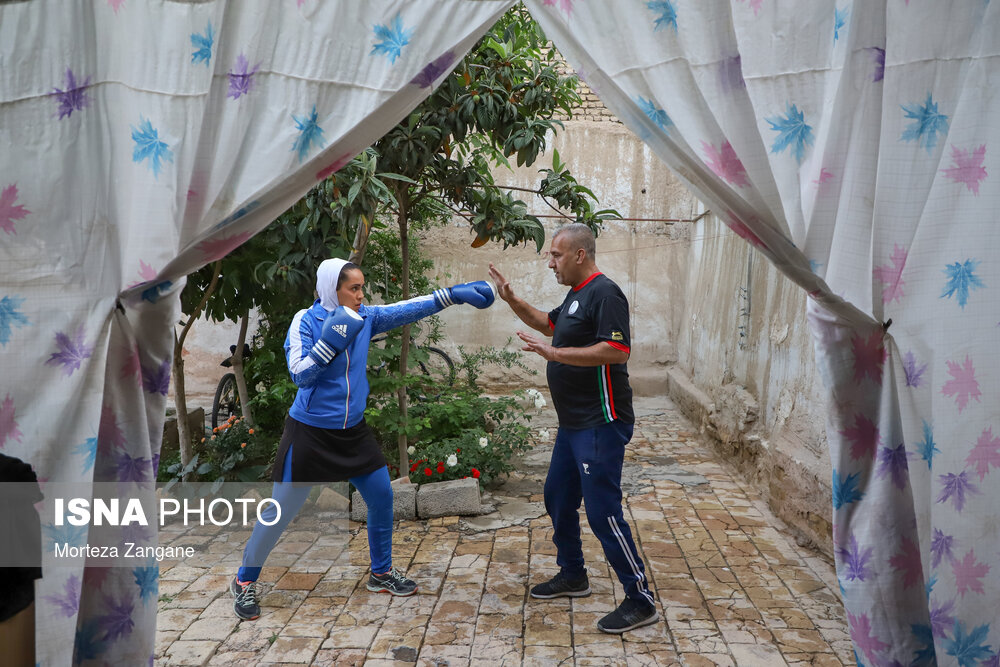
x=326 y=282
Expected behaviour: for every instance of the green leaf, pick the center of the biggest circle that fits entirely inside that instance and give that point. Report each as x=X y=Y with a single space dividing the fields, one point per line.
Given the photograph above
x=352 y=194
x=398 y=177
x=494 y=45
x=190 y=466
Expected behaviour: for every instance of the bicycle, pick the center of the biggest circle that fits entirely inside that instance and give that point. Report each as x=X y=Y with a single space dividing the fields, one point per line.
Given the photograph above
x=438 y=365
x=227 y=396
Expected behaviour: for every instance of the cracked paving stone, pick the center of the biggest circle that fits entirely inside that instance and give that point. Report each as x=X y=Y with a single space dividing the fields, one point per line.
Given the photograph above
x=293 y=649
x=438 y=634
x=176 y=619
x=700 y=641
x=210 y=628
x=666 y=657
x=556 y=656
x=809 y=641
x=342 y=636
x=454 y=610
x=345 y=657
x=190 y=652
x=246 y=639
x=455 y=655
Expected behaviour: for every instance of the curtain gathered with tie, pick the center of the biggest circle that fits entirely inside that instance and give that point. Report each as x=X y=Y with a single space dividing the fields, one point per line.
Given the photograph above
x=141 y=141
x=854 y=144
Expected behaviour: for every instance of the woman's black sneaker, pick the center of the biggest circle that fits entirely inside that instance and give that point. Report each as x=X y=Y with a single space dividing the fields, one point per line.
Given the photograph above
x=393 y=582
x=631 y=614
x=561 y=587
x=246 y=605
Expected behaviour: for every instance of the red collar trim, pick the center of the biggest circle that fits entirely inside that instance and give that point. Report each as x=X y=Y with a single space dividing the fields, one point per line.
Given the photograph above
x=584 y=283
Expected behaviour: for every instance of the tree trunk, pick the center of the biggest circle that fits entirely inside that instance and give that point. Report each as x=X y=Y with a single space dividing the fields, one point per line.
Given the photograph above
x=361 y=241
x=241 y=379
x=180 y=400
x=180 y=397
x=403 y=220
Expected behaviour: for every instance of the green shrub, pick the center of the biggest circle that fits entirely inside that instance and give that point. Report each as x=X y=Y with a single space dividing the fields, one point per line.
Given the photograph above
x=233 y=452
x=481 y=433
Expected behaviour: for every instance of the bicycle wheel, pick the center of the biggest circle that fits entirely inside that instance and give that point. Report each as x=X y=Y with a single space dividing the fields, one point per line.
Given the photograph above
x=227 y=400
x=438 y=366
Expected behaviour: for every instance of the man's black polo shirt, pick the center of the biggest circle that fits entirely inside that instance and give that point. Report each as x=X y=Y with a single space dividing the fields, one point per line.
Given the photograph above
x=587 y=396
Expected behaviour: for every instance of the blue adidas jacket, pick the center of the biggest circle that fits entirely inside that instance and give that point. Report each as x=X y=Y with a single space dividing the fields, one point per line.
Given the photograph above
x=335 y=396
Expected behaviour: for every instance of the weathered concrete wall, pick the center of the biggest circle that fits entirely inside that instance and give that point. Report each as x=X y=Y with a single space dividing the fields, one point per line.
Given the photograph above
x=745 y=373
x=645 y=256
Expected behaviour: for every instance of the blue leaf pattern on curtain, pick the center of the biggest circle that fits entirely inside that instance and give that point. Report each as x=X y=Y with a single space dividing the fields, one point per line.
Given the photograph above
x=849 y=143
x=209 y=119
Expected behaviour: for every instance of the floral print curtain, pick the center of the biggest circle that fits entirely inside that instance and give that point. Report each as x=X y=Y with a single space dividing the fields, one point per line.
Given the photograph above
x=140 y=141
x=853 y=143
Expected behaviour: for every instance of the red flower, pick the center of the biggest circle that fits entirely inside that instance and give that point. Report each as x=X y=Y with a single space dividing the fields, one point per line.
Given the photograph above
x=440 y=467
x=475 y=473
x=414 y=467
x=427 y=471
x=458 y=450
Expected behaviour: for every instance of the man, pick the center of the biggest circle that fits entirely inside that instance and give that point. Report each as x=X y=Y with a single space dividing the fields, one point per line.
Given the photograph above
x=588 y=381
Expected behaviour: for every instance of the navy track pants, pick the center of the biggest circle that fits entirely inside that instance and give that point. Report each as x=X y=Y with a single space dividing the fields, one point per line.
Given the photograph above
x=587 y=466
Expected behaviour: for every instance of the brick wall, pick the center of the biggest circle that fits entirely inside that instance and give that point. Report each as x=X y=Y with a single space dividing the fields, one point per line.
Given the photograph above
x=591 y=108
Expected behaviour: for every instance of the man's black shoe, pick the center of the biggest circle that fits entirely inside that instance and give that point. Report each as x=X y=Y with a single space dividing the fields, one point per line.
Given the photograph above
x=246 y=605
x=393 y=582
x=561 y=587
x=631 y=614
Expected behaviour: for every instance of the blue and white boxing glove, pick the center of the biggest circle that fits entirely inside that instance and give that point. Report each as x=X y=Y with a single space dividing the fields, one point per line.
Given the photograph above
x=339 y=329
x=478 y=294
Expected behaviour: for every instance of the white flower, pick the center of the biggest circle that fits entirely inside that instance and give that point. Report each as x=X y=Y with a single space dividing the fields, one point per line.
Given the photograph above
x=539 y=402
x=483 y=443
x=533 y=393
x=411 y=450
x=452 y=461
x=260 y=388
x=543 y=433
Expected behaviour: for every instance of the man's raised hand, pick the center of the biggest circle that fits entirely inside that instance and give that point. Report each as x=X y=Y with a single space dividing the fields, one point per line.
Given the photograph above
x=504 y=290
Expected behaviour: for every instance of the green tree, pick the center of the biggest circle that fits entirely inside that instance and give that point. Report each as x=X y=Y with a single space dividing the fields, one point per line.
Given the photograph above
x=501 y=101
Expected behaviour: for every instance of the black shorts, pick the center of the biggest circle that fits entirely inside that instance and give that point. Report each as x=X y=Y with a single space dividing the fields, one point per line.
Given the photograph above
x=20 y=527
x=17 y=590
x=327 y=454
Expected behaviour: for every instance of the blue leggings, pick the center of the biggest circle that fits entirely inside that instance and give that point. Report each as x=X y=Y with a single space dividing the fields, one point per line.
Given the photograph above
x=374 y=488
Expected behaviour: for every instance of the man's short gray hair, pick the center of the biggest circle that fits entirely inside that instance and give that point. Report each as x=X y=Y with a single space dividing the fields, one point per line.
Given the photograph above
x=579 y=236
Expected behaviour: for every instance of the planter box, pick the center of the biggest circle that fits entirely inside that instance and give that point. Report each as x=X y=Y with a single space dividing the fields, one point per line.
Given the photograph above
x=404 y=500
x=456 y=497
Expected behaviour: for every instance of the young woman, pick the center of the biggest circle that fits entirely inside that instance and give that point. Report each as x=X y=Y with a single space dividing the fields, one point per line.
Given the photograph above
x=326 y=438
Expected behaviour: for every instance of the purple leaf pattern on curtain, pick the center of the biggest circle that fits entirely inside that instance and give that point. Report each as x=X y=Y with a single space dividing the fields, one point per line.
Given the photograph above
x=73 y=97
x=863 y=173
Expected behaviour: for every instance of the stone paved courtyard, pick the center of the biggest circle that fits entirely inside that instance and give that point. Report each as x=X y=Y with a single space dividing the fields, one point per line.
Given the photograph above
x=733 y=586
